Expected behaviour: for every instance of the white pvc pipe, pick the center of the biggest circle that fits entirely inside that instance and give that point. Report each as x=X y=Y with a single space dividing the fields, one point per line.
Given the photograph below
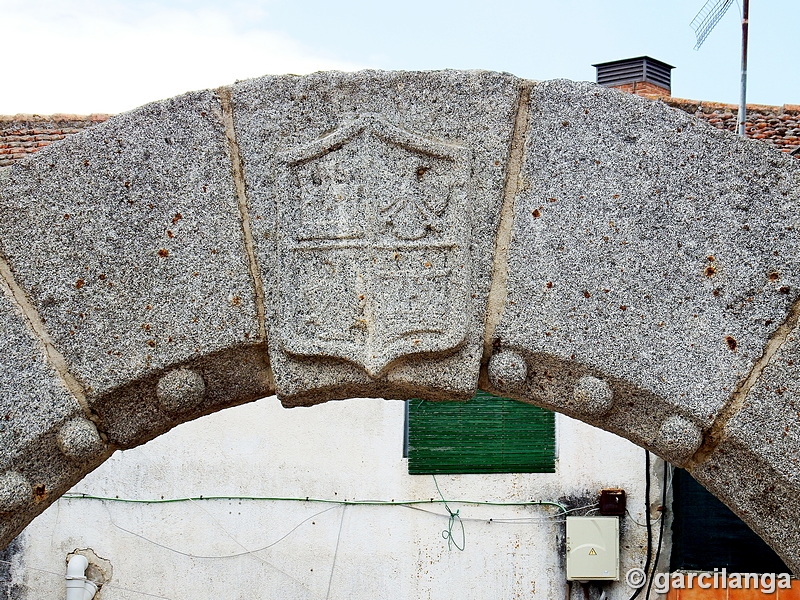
x=78 y=587
x=89 y=590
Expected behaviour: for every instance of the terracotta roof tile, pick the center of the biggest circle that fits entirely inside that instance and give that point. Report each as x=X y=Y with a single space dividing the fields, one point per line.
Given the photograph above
x=779 y=126
x=775 y=125
x=23 y=134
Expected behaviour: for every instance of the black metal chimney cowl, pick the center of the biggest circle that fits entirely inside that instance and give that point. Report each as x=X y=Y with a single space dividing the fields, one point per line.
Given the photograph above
x=635 y=70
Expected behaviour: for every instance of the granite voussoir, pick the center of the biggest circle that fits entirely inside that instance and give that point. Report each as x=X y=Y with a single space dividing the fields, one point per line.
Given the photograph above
x=767 y=423
x=375 y=199
x=649 y=250
x=762 y=495
x=127 y=239
x=37 y=412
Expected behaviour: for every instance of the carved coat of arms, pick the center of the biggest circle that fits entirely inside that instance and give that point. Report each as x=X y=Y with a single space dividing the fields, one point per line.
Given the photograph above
x=371 y=245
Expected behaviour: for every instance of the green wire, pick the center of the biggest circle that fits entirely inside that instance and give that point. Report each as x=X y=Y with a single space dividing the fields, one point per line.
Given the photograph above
x=309 y=499
x=448 y=533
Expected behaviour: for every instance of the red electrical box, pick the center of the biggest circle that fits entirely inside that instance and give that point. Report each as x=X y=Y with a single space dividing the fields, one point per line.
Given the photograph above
x=612 y=502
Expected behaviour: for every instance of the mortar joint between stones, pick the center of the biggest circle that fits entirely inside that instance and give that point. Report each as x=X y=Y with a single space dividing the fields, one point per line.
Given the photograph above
x=714 y=435
x=498 y=290
x=237 y=167
x=36 y=325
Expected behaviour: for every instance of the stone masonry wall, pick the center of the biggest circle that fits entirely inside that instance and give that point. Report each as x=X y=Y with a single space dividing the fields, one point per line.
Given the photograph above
x=401 y=234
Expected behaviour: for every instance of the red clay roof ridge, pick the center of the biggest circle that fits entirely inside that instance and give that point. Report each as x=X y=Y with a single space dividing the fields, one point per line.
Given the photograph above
x=707 y=106
x=57 y=117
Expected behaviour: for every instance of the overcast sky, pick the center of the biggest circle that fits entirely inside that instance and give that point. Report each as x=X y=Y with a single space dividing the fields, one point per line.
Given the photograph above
x=84 y=56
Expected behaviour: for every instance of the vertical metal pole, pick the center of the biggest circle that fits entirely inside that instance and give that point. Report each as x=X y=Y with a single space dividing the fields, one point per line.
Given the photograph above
x=743 y=101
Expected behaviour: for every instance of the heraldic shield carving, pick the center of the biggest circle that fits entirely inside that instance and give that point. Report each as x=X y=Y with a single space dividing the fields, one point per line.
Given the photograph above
x=371 y=265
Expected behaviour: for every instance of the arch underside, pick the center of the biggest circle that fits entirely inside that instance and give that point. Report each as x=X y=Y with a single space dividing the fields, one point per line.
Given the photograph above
x=404 y=235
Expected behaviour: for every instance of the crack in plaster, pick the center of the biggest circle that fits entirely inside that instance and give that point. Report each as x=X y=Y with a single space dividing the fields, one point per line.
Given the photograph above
x=498 y=290
x=237 y=167
x=715 y=434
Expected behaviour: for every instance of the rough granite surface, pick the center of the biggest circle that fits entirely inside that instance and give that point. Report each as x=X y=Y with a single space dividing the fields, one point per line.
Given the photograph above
x=36 y=417
x=127 y=239
x=652 y=261
x=768 y=423
x=758 y=459
x=33 y=398
x=758 y=491
x=385 y=188
x=650 y=251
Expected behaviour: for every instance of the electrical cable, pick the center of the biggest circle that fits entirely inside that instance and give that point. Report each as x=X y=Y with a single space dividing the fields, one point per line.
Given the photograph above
x=124 y=589
x=218 y=524
x=253 y=554
x=238 y=543
x=553 y=519
x=660 y=528
x=105 y=585
x=335 y=553
x=448 y=533
x=649 y=525
x=249 y=552
x=630 y=516
x=411 y=504
x=585 y=589
x=322 y=500
x=453 y=516
x=593 y=505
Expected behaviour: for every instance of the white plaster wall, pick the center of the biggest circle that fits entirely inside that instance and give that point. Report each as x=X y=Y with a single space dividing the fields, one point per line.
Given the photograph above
x=290 y=549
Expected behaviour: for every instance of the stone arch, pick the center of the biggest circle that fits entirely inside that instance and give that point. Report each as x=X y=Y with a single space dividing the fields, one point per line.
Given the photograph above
x=398 y=235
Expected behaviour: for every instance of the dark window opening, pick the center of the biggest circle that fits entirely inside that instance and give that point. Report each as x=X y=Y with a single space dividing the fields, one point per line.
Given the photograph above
x=707 y=535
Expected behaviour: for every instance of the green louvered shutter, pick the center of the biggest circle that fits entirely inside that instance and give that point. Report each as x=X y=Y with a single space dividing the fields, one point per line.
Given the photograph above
x=487 y=434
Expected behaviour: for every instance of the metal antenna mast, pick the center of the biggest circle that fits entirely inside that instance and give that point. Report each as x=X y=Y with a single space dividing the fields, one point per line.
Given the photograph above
x=704 y=23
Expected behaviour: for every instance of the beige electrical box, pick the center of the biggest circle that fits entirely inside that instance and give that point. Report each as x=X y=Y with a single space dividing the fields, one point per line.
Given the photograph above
x=593 y=548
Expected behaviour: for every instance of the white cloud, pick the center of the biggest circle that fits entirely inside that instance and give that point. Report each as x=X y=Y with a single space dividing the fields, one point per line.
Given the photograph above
x=83 y=56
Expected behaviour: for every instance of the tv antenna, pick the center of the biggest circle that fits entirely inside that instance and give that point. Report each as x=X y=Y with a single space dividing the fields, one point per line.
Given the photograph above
x=704 y=23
